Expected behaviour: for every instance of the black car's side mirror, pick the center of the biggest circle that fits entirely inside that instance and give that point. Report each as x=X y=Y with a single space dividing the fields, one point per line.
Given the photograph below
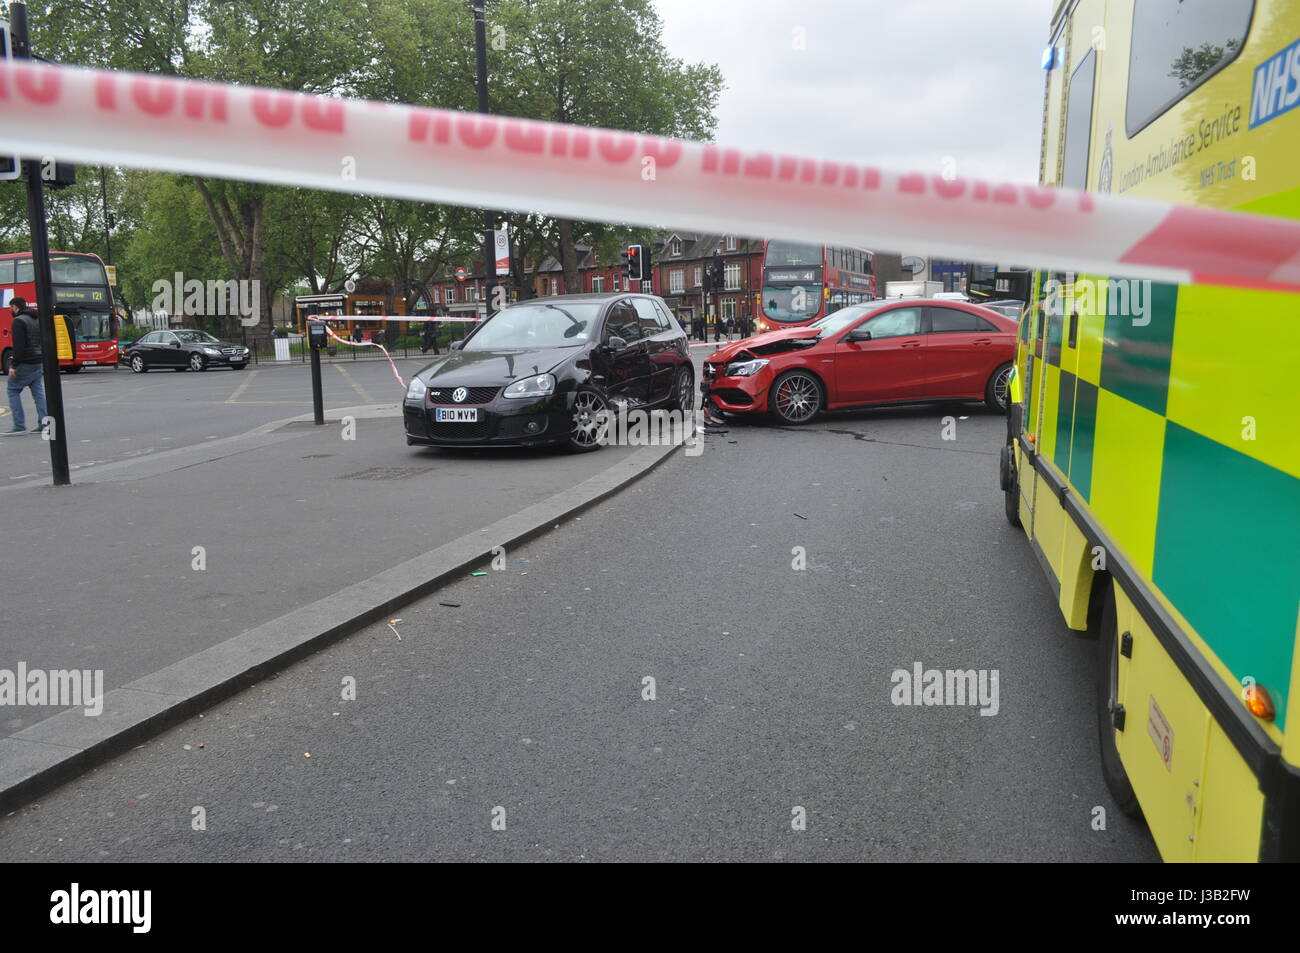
x=176 y=343
x=616 y=344
x=859 y=334
x=457 y=345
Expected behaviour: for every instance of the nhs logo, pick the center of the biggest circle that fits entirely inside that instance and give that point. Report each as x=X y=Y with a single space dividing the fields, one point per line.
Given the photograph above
x=1277 y=86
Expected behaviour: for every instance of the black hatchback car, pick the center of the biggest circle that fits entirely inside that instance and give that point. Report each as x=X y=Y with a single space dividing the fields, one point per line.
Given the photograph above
x=542 y=372
x=182 y=350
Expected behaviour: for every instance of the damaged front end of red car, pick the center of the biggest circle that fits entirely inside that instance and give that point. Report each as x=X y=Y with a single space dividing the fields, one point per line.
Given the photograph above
x=738 y=375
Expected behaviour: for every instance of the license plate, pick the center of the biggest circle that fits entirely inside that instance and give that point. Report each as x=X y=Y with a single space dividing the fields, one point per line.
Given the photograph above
x=90 y=362
x=456 y=415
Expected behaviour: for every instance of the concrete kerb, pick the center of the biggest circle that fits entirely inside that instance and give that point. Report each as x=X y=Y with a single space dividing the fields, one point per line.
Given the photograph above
x=51 y=752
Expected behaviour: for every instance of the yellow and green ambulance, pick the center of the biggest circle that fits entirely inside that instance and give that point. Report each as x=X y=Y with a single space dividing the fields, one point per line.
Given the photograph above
x=1153 y=454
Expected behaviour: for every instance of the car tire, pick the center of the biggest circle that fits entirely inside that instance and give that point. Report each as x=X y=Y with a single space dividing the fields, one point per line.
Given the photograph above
x=796 y=398
x=683 y=395
x=1112 y=768
x=997 y=393
x=138 y=366
x=586 y=432
x=1010 y=485
x=198 y=362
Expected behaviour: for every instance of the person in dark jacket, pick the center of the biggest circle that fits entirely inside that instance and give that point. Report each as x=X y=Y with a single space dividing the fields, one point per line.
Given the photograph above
x=26 y=370
x=430 y=338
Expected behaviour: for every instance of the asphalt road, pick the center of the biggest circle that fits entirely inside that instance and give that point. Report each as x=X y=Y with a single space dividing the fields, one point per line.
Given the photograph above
x=527 y=701
x=115 y=415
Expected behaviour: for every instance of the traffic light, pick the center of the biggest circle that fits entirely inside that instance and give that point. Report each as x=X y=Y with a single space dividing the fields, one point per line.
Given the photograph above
x=717 y=271
x=634 y=263
x=10 y=167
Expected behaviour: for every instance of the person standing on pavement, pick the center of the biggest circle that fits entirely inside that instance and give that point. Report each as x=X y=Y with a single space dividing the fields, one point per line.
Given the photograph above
x=27 y=369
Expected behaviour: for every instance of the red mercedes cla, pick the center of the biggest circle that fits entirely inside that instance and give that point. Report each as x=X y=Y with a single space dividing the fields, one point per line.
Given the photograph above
x=884 y=352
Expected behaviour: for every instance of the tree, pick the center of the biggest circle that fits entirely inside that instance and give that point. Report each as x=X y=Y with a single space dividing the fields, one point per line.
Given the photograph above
x=1192 y=64
x=595 y=63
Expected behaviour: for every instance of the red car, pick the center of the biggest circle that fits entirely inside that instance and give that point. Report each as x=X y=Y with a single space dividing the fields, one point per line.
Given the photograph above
x=884 y=352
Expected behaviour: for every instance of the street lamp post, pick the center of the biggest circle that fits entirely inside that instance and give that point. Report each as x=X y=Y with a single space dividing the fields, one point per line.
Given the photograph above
x=54 y=428
x=489 y=217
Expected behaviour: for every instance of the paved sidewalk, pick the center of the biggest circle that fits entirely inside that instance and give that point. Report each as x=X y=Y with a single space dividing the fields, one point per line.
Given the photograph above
x=106 y=574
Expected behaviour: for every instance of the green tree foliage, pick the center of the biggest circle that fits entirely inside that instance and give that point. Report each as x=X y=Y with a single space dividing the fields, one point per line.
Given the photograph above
x=596 y=62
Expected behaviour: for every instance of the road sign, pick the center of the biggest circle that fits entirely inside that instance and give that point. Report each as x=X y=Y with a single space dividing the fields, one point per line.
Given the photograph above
x=111 y=271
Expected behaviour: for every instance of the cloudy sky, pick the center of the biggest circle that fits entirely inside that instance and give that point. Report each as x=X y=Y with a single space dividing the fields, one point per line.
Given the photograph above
x=903 y=83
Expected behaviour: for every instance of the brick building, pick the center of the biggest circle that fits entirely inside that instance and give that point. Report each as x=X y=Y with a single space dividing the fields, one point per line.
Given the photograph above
x=678 y=260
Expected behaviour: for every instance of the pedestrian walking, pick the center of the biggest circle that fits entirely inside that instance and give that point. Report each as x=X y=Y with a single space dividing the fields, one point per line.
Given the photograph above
x=430 y=339
x=27 y=367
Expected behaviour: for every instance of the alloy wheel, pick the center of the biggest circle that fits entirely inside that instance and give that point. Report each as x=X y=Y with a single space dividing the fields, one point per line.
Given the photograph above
x=798 y=398
x=590 y=419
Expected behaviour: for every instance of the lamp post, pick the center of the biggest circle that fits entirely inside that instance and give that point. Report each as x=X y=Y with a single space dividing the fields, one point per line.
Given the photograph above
x=489 y=217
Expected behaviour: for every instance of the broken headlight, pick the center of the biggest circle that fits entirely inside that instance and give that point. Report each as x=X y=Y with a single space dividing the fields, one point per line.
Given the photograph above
x=745 y=368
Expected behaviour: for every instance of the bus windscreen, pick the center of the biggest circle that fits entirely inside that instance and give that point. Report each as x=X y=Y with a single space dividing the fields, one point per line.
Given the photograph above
x=781 y=253
x=791 y=303
x=66 y=270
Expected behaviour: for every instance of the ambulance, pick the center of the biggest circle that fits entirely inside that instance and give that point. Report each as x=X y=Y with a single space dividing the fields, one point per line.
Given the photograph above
x=1153 y=450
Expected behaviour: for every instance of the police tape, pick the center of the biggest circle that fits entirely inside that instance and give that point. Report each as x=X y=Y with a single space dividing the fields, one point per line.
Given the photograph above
x=410 y=318
x=286 y=138
x=330 y=331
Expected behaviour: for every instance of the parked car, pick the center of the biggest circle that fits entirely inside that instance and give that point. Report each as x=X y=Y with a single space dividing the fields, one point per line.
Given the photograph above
x=892 y=351
x=543 y=371
x=183 y=350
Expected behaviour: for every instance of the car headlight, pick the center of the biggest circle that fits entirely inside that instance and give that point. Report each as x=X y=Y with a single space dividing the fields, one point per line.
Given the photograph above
x=212 y=350
x=538 y=386
x=745 y=368
x=416 y=389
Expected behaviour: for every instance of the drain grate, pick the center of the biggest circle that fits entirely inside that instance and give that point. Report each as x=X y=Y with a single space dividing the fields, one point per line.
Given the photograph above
x=385 y=473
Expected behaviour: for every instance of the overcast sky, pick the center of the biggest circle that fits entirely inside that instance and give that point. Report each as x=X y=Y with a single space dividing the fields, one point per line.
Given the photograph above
x=903 y=83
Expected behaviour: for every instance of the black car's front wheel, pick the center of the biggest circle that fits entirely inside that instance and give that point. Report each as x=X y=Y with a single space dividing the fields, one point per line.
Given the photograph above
x=683 y=390
x=198 y=362
x=590 y=421
x=796 y=397
x=138 y=365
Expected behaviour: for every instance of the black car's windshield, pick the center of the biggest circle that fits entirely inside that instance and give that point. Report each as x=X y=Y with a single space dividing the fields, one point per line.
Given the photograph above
x=537 y=325
x=196 y=337
x=837 y=320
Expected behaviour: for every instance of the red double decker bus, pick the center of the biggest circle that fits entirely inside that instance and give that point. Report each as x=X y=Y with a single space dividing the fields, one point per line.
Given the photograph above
x=803 y=282
x=81 y=293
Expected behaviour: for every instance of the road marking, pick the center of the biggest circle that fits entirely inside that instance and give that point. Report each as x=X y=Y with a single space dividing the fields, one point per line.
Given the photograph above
x=233 y=398
x=355 y=386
